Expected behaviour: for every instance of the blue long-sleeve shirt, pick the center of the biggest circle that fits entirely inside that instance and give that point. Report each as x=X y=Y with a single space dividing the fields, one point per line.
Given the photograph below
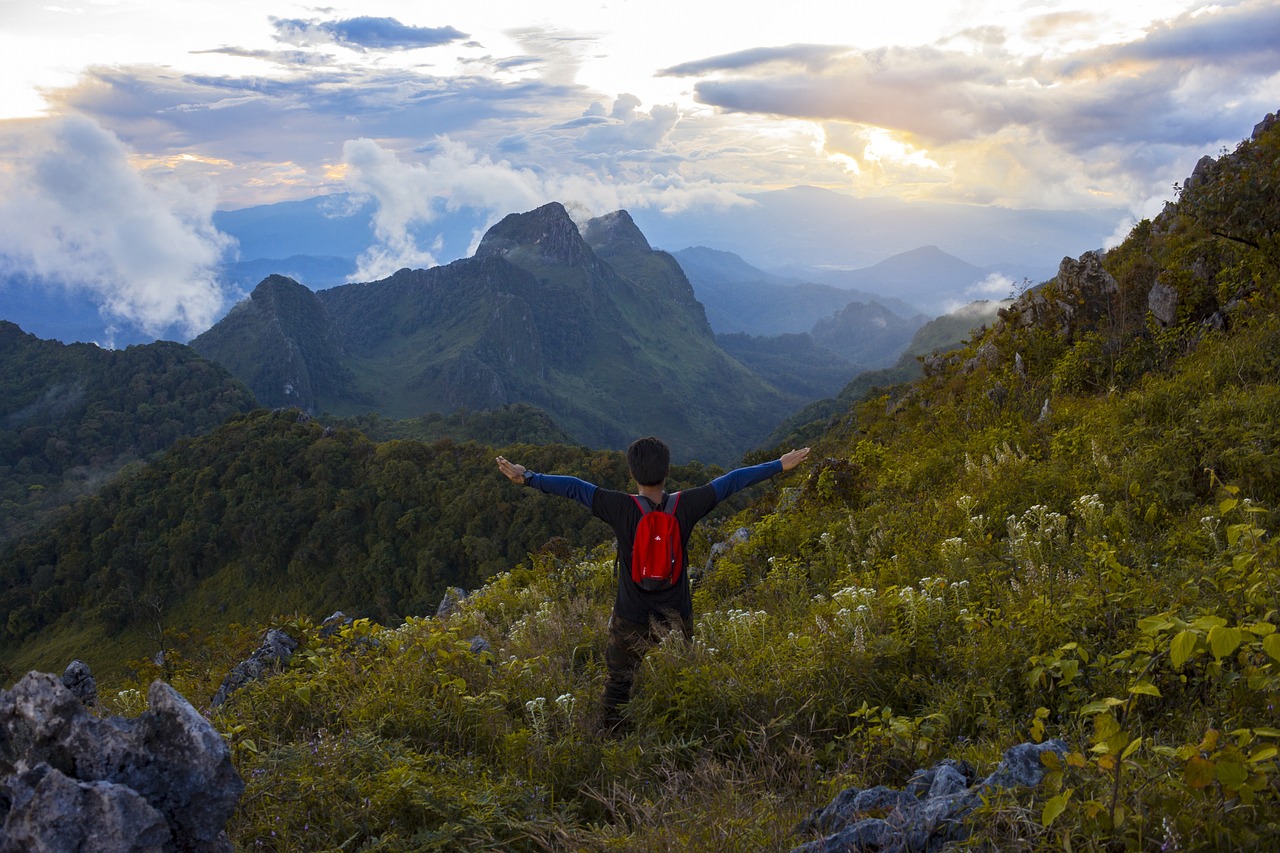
x=620 y=511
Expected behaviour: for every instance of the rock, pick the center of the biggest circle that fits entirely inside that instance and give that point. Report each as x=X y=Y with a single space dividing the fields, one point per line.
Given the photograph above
x=928 y=815
x=72 y=781
x=275 y=651
x=50 y=812
x=1265 y=125
x=453 y=598
x=1203 y=167
x=719 y=549
x=1022 y=766
x=1085 y=293
x=80 y=681
x=1163 y=301
x=480 y=646
x=334 y=624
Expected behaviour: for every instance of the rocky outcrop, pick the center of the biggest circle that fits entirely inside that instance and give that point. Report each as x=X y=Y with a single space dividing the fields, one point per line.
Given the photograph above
x=70 y=781
x=276 y=649
x=452 y=600
x=1084 y=293
x=1162 y=300
x=80 y=681
x=928 y=814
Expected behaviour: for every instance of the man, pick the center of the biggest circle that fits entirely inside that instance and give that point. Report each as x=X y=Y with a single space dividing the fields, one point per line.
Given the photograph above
x=640 y=617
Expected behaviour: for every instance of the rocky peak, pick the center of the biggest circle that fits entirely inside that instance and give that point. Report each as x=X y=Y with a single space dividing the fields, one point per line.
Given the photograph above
x=1085 y=292
x=546 y=235
x=614 y=231
x=275 y=288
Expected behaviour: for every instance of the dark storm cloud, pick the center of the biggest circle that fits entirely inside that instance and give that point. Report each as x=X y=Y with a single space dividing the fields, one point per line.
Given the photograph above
x=364 y=33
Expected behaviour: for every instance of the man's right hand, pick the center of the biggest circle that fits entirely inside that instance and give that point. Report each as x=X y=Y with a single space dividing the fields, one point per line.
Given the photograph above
x=512 y=471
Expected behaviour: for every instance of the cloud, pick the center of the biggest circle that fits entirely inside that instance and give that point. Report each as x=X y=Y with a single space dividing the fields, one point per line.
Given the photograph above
x=812 y=57
x=456 y=176
x=1164 y=87
x=363 y=33
x=75 y=213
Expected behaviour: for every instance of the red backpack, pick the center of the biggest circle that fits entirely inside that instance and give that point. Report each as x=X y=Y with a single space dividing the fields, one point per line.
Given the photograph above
x=656 y=555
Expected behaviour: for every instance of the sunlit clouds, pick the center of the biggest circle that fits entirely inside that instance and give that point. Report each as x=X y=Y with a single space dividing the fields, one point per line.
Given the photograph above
x=665 y=105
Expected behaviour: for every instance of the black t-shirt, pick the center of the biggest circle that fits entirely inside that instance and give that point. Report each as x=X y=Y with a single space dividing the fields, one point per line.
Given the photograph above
x=619 y=511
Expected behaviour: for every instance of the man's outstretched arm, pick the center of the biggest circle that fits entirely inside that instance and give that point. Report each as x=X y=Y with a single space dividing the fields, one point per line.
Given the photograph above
x=736 y=481
x=566 y=487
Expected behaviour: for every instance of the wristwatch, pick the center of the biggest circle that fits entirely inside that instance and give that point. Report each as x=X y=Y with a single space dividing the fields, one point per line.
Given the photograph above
x=528 y=476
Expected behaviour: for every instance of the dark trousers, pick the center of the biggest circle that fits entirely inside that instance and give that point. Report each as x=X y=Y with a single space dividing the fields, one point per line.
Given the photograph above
x=628 y=642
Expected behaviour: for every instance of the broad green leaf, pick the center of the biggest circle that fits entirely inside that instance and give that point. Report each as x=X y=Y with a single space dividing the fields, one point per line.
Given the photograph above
x=1181 y=648
x=1101 y=706
x=1146 y=688
x=1224 y=641
x=1261 y=629
x=1153 y=625
x=1055 y=807
x=1267 y=731
x=1131 y=748
x=303 y=692
x=1271 y=645
x=1232 y=774
x=1070 y=669
x=1228 y=505
x=1263 y=754
x=1204 y=623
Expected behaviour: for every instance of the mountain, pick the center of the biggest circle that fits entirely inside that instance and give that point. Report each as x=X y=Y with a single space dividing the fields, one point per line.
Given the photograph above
x=925 y=276
x=71 y=416
x=1052 y=555
x=602 y=333
x=826 y=229
x=792 y=362
x=870 y=335
x=940 y=335
x=741 y=298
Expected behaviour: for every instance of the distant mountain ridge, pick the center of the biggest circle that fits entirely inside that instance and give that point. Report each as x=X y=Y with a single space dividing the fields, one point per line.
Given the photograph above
x=601 y=332
x=742 y=298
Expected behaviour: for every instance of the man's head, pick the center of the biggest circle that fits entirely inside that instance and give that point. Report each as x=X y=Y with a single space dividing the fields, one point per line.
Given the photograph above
x=649 y=460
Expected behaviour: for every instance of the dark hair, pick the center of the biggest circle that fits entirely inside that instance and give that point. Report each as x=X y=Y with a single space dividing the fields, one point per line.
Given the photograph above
x=649 y=460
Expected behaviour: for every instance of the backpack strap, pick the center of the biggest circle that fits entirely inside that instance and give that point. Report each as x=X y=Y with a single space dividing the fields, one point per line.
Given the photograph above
x=672 y=498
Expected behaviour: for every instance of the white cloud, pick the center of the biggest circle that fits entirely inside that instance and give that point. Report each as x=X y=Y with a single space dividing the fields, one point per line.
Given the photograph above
x=456 y=176
x=75 y=213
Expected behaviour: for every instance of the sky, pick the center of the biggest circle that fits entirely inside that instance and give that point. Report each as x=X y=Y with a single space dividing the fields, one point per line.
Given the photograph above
x=125 y=123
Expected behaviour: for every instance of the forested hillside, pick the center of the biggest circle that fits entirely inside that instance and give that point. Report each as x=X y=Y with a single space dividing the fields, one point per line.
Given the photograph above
x=1064 y=529
x=71 y=416
x=275 y=513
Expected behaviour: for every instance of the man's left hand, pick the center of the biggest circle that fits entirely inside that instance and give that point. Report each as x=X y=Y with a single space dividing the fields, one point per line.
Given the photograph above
x=794 y=458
